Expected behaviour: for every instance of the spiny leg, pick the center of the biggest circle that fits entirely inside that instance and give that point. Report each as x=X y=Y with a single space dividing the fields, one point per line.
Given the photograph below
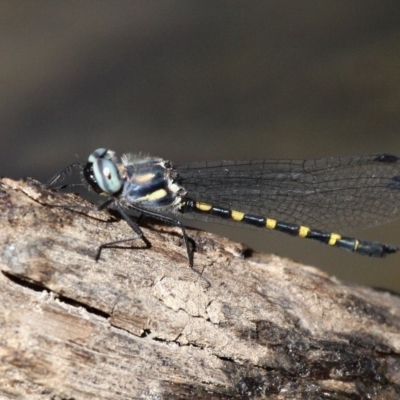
x=174 y=222
x=107 y=204
x=65 y=171
x=113 y=204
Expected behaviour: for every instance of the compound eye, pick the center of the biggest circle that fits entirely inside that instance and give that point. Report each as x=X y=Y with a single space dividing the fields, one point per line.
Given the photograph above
x=99 y=153
x=107 y=175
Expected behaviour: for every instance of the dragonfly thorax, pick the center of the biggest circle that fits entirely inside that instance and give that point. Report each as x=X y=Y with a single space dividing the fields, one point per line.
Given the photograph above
x=150 y=182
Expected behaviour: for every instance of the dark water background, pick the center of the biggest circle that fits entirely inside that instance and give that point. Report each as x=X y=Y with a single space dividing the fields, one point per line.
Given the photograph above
x=197 y=80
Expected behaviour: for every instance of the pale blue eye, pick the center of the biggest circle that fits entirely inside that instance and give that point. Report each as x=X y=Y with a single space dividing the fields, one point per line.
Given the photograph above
x=98 y=153
x=105 y=172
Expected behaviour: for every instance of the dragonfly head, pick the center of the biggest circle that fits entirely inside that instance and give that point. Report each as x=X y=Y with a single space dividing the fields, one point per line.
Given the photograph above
x=101 y=172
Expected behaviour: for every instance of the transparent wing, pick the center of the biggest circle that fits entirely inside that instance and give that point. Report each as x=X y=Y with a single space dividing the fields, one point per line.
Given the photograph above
x=334 y=193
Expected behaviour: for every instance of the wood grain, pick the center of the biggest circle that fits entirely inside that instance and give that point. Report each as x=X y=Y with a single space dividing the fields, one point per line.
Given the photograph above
x=140 y=324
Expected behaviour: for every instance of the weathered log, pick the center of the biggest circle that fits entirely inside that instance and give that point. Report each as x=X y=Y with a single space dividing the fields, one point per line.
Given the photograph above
x=139 y=323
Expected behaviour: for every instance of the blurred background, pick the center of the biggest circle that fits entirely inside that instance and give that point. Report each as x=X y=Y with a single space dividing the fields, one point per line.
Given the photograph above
x=204 y=80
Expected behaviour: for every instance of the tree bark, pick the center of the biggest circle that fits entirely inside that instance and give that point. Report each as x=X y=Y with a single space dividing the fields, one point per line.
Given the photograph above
x=139 y=323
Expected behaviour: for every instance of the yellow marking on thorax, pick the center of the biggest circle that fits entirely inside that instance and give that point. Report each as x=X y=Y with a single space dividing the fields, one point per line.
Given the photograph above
x=157 y=195
x=237 y=215
x=141 y=178
x=334 y=238
x=303 y=231
x=270 y=223
x=356 y=244
x=203 y=206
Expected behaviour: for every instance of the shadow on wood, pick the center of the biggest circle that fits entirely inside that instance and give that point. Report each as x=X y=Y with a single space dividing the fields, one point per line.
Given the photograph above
x=141 y=324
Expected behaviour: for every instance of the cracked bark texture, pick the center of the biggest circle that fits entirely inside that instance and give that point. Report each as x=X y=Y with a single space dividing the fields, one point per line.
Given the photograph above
x=140 y=324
